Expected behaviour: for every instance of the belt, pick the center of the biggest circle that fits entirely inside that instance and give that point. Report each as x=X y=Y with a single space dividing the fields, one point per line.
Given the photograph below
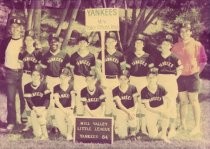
x=111 y=76
x=27 y=71
x=15 y=70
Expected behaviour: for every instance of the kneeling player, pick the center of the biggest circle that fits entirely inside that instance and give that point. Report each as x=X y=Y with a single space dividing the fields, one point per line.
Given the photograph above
x=156 y=103
x=93 y=97
x=37 y=96
x=125 y=97
x=64 y=97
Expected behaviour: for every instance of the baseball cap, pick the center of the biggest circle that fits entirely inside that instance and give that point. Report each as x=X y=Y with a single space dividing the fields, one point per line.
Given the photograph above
x=66 y=72
x=140 y=37
x=111 y=35
x=53 y=38
x=82 y=38
x=16 y=21
x=124 y=73
x=167 y=38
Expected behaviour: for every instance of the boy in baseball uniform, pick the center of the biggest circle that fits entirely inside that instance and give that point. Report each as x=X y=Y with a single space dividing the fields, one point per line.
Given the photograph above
x=37 y=96
x=138 y=63
x=169 y=69
x=125 y=98
x=157 y=104
x=64 y=96
x=93 y=97
x=114 y=63
x=81 y=63
x=30 y=56
x=53 y=62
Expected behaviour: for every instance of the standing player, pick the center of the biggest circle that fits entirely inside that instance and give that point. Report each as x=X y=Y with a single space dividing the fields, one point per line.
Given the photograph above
x=114 y=63
x=156 y=102
x=29 y=58
x=125 y=97
x=53 y=62
x=169 y=69
x=81 y=63
x=64 y=97
x=37 y=96
x=93 y=97
x=193 y=58
x=138 y=63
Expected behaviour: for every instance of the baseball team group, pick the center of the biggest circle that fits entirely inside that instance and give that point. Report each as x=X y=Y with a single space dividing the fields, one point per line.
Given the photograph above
x=138 y=90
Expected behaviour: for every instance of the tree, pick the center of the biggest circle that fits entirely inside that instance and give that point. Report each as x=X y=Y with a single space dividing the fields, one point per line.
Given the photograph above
x=63 y=17
x=72 y=19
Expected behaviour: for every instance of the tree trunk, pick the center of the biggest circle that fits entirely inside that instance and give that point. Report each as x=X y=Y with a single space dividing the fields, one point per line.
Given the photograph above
x=37 y=18
x=134 y=12
x=73 y=18
x=30 y=16
x=151 y=16
x=140 y=17
x=104 y=3
x=119 y=41
x=126 y=24
x=63 y=18
x=25 y=10
x=91 y=37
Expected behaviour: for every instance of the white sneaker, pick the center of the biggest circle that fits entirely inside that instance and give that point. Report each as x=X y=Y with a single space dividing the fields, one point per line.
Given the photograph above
x=26 y=128
x=172 y=133
x=165 y=139
x=10 y=127
x=69 y=138
x=195 y=131
x=43 y=137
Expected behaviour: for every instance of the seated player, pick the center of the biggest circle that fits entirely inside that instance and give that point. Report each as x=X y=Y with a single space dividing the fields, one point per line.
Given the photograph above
x=156 y=102
x=29 y=57
x=64 y=97
x=93 y=97
x=125 y=97
x=37 y=96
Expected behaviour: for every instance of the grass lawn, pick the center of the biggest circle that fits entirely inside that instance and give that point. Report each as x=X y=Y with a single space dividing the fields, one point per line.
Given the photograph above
x=182 y=140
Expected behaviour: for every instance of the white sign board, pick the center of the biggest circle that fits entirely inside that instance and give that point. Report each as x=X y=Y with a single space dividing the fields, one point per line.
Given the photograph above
x=102 y=19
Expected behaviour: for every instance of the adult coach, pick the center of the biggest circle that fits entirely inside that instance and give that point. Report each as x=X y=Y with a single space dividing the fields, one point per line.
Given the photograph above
x=193 y=58
x=9 y=51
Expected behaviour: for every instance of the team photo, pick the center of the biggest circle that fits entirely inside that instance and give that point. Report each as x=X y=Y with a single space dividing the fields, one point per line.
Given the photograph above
x=70 y=74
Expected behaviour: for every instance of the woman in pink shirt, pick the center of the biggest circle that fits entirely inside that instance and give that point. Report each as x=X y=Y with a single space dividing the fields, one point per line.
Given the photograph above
x=193 y=58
